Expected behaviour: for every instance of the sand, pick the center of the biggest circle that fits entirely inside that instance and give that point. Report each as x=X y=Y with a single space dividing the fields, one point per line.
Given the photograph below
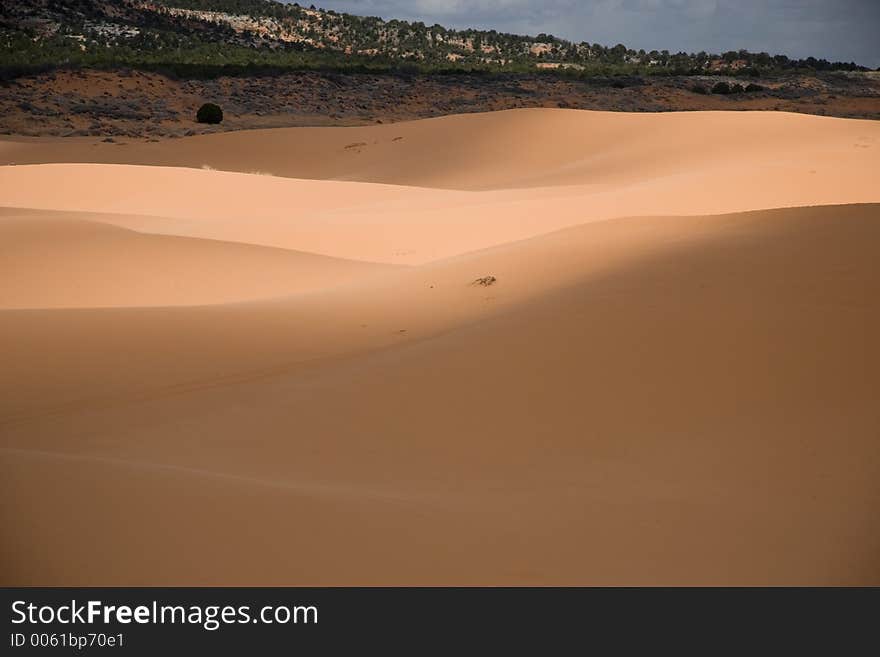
x=219 y=377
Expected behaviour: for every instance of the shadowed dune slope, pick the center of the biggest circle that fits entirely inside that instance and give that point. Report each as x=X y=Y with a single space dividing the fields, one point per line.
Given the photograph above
x=673 y=400
x=52 y=260
x=510 y=149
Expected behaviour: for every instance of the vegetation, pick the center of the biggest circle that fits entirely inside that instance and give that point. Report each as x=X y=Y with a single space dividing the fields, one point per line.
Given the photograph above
x=209 y=37
x=209 y=113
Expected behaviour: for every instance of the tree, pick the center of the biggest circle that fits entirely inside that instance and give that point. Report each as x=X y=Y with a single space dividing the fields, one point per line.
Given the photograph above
x=209 y=113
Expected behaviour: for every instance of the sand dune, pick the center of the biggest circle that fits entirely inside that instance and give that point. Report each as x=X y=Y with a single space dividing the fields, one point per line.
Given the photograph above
x=667 y=418
x=59 y=260
x=226 y=382
x=406 y=225
x=516 y=148
x=540 y=171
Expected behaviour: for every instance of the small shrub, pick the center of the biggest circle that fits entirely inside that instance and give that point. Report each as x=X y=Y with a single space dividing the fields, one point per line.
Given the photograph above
x=751 y=87
x=209 y=113
x=737 y=89
x=721 y=88
x=699 y=89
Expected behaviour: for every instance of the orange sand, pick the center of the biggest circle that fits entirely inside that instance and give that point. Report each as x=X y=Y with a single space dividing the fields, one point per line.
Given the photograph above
x=217 y=377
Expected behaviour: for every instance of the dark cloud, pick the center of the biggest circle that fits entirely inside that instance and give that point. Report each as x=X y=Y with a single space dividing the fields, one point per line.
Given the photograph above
x=847 y=30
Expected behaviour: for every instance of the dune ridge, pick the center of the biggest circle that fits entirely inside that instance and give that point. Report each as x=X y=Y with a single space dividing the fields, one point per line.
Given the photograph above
x=401 y=225
x=98 y=264
x=671 y=379
x=493 y=150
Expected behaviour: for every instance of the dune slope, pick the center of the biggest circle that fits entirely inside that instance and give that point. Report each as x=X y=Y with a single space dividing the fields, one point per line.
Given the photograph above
x=509 y=149
x=58 y=260
x=673 y=401
x=412 y=225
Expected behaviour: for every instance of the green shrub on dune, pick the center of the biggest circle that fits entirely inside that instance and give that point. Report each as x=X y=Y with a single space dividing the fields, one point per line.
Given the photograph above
x=209 y=113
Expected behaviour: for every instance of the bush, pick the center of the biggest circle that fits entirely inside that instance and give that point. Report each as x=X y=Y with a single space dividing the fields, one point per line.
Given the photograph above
x=699 y=89
x=751 y=87
x=209 y=113
x=737 y=89
x=721 y=88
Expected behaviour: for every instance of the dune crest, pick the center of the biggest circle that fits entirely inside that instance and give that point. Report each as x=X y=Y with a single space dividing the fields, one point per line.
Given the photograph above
x=98 y=264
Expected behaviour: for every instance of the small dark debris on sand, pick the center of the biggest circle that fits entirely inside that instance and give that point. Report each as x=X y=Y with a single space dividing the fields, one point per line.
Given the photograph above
x=485 y=281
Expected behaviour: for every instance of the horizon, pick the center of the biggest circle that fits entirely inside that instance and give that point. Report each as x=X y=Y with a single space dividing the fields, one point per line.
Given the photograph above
x=842 y=31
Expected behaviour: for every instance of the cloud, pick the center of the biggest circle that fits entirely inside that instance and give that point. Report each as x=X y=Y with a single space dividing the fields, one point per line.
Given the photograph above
x=834 y=29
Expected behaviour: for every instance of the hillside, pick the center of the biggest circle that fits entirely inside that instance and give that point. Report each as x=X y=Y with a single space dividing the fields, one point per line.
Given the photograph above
x=228 y=33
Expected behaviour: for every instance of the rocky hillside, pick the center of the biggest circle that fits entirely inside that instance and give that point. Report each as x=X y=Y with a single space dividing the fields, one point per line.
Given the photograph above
x=224 y=33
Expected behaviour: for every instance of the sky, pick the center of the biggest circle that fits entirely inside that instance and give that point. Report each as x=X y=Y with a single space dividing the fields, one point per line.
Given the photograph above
x=840 y=30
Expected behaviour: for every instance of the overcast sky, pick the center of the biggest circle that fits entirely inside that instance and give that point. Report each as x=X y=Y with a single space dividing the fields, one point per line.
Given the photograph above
x=847 y=30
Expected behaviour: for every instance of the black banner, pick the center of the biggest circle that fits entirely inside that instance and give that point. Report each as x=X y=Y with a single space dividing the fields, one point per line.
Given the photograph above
x=416 y=620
